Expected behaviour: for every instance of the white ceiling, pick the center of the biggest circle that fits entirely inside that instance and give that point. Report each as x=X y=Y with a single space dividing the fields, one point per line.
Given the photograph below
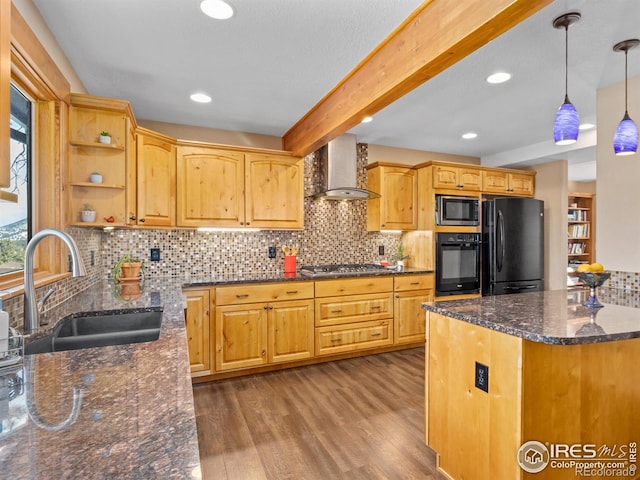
x=274 y=60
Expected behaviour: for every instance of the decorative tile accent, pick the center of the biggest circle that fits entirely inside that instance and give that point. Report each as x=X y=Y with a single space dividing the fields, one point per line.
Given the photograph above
x=624 y=280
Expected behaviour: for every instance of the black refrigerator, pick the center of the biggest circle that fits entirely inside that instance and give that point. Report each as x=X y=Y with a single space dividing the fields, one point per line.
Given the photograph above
x=513 y=245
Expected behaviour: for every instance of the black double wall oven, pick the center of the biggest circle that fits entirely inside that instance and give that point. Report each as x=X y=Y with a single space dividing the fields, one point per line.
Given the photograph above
x=457 y=263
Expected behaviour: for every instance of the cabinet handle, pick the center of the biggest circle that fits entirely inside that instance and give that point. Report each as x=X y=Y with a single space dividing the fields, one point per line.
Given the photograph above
x=397 y=296
x=339 y=339
x=376 y=307
x=132 y=217
x=248 y=223
x=336 y=311
x=264 y=353
x=241 y=223
x=142 y=220
x=291 y=292
x=265 y=307
x=414 y=283
x=376 y=334
x=242 y=295
x=270 y=307
x=383 y=225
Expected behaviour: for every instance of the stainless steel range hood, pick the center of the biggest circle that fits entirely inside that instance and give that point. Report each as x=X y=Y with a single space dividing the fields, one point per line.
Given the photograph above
x=337 y=170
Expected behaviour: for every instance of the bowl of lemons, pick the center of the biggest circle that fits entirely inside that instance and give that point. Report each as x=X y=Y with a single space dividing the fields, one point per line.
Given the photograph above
x=592 y=275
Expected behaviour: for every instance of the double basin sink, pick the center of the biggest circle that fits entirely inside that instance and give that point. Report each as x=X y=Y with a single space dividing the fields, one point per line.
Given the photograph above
x=98 y=330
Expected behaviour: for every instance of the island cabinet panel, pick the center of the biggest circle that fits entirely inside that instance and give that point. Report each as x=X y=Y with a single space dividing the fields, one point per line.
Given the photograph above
x=199 y=331
x=457 y=178
x=396 y=209
x=5 y=90
x=291 y=331
x=240 y=336
x=475 y=433
x=156 y=181
x=274 y=191
x=210 y=187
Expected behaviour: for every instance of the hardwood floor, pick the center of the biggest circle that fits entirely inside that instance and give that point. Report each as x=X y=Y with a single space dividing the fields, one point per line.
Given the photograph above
x=359 y=418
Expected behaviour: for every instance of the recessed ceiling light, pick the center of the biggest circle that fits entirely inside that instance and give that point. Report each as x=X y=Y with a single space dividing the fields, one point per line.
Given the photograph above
x=469 y=135
x=586 y=126
x=366 y=119
x=217 y=9
x=200 y=98
x=498 y=77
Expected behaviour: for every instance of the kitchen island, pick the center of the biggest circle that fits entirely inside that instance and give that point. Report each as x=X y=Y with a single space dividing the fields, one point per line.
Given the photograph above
x=121 y=411
x=534 y=386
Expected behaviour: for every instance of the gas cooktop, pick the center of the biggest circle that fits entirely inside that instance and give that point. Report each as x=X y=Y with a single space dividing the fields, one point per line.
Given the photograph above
x=340 y=269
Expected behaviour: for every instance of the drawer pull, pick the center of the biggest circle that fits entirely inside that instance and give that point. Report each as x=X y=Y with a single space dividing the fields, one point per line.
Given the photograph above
x=242 y=295
x=414 y=283
x=339 y=339
x=376 y=307
x=292 y=292
x=336 y=311
x=376 y=334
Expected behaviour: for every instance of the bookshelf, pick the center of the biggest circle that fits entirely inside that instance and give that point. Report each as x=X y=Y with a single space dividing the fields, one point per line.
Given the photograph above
x=580 y=232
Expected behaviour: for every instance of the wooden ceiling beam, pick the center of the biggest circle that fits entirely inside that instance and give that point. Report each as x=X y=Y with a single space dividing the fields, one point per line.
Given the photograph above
x=436 y=35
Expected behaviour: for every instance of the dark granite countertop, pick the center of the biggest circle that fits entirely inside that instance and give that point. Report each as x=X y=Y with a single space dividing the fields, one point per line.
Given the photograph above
x=280 y=276
x=554 y=317
x=103 y=413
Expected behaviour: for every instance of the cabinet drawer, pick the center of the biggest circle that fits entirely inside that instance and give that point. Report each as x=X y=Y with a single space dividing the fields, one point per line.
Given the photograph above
x=255 y=293
x=413 y=282
x=354 y=286
x=347 y=338
x=349 y=309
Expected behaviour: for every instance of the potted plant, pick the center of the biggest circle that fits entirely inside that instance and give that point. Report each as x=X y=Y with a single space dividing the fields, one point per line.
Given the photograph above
x=127 y=268
x=88 y=214
x=401 y=257
x=105 y=137
x=96 y=177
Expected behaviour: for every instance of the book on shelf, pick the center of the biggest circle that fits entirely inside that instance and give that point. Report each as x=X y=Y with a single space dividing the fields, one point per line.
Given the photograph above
x=577 y=248
x=577 y=216
x=579 y=231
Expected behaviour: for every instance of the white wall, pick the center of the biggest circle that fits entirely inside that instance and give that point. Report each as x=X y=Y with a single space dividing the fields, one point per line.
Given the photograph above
x=551 y=187
x=618 y=184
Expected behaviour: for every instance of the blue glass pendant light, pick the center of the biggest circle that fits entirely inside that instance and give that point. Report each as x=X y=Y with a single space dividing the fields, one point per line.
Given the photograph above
x=565 y=127
x=625 y=140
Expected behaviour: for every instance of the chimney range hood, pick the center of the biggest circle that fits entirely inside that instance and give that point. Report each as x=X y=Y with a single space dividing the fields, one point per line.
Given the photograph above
x=337 y=171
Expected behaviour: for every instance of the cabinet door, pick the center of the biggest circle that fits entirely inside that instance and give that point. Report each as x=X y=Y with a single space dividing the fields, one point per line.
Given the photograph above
x=409 y=319
x=156 y=182
x=445 y=176
x=274 y=191
x=521 y=184
x=241 y=336
x=197 y=320
x=210 y=188
x=469 y=179
x=5 y=89
x=291 y=331
x=495 y=181
x=399 y=199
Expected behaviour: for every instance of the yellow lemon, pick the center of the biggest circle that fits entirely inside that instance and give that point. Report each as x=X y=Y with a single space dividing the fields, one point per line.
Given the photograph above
x=584 y=267
x=597 y=267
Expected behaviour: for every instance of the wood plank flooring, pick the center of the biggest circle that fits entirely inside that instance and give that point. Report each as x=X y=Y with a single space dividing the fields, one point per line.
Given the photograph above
x=359 y=418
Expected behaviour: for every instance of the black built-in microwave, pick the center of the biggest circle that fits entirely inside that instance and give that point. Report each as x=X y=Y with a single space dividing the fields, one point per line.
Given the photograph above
x=457 y=210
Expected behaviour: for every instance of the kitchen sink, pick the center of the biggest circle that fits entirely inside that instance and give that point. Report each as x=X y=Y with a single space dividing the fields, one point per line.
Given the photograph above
x=87 y=331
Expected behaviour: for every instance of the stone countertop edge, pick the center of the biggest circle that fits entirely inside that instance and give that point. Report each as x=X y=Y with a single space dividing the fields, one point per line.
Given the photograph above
x=279 y=276
x=552 y=317
x=137 y=416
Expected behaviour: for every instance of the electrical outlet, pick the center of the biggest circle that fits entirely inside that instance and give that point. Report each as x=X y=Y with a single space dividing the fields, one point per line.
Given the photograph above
x=482 y=377
x=155 y=254
x=272 y=252
x=93 y=258
x=380 y=249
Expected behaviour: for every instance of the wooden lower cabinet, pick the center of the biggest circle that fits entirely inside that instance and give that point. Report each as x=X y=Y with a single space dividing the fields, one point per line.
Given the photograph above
x=353 y=336
x=408 y=316
x=290 y=331
x=198 y=326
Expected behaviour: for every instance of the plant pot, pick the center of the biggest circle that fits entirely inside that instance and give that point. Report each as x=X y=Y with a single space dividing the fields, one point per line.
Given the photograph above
x=105 y=139
x=88 y=216
x=130 y=291
x=400 y=265
x=95 y=178
x=130 y=271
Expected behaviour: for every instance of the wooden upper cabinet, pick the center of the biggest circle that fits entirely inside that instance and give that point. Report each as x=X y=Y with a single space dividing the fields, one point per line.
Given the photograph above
x=210 y=187
x=5 y=89
x=457 y=178
x=221 y=188
x=509 y=183
x=156 y=180
x=274 y=191
x=396 y=209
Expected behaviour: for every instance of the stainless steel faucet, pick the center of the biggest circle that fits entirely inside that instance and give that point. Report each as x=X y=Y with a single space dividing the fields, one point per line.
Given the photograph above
x=31 y=313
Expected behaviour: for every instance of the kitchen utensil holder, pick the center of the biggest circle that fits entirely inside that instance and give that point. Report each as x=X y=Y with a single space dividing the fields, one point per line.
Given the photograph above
x=289 y=264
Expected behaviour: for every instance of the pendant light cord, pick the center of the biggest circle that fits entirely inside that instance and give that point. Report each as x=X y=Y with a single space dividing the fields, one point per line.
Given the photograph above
x=566 y=63
x=626 y=110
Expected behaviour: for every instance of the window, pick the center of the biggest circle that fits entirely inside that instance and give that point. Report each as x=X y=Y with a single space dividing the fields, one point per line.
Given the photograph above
x=15 y=218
